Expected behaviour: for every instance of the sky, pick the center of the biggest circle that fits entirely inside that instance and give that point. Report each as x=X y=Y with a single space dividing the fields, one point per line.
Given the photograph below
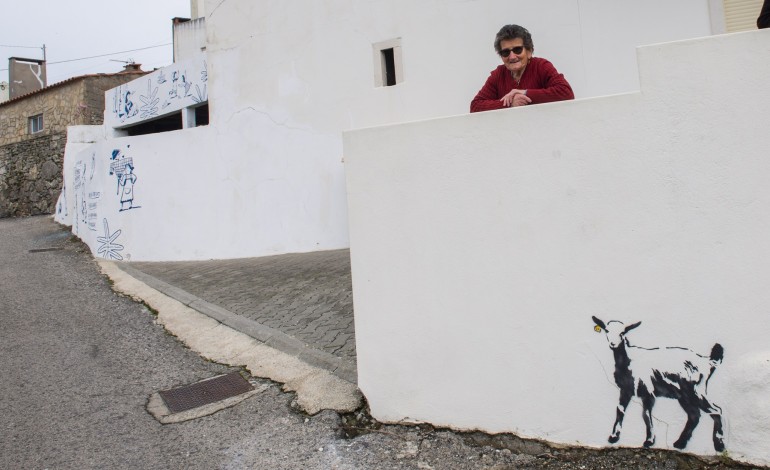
x=73 y=30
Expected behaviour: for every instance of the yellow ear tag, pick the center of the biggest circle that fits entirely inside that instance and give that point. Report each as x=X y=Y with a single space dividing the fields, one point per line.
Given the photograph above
x=598 y=329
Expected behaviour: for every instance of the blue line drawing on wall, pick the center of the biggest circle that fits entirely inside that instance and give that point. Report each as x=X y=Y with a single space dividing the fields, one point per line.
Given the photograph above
x=79 y=183
x=61 y=206
x=123 y=104
x=172 y=93
x=93 y=207
x=186 y=86
x=669 y=372
x=201 y=97
x=108 y=248
x=167 y=89
x=123 y=169
x=150 y=106
x=181 y=88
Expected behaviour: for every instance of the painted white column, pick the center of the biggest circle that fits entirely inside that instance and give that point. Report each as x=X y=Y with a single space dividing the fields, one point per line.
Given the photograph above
x=188 y=118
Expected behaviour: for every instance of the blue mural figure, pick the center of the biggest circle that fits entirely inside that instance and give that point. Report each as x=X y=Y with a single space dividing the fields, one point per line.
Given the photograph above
x=186 y=86
x=126 y=107
x=126 y=183
x=123 y=169
x=172 y=93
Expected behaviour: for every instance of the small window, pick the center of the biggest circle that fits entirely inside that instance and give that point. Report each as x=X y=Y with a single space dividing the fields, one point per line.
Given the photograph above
x=36 y=124
x=388 y=68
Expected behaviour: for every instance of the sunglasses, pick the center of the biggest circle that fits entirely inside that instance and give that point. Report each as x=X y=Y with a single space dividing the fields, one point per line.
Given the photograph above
x=516 y=50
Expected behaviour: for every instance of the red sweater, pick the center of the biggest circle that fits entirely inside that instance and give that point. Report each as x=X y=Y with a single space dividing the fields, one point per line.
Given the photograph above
x=541 y=80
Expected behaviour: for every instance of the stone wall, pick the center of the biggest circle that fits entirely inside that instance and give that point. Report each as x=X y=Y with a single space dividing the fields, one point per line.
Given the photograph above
x=31 y=176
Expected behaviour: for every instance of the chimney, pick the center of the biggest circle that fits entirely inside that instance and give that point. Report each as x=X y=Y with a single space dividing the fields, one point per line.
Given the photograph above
x=132 y=68
x=25 y=76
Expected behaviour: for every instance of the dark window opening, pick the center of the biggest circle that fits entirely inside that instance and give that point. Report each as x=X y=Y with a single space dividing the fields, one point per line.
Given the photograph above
x=388 y=67
x=172 y=122
x=202 y=115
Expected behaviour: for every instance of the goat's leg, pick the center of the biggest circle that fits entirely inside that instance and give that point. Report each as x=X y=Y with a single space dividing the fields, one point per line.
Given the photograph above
x=648 y=401
x=719 y=443
x=716 y=414
x=625 y=399
x=692 y=408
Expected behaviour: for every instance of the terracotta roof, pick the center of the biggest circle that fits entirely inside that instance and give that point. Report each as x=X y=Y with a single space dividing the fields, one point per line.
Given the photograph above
x=138 y=73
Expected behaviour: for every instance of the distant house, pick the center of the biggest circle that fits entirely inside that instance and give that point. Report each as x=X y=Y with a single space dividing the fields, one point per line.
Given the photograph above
x=33 y=133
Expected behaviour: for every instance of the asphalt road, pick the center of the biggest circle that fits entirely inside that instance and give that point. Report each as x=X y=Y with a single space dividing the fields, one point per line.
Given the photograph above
x=80 y=362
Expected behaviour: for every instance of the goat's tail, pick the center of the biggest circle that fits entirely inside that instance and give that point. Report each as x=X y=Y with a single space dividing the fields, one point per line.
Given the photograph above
x=717 y=354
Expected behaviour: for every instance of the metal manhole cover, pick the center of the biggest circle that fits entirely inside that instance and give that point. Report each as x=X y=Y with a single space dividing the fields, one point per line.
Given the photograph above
x=205 y=392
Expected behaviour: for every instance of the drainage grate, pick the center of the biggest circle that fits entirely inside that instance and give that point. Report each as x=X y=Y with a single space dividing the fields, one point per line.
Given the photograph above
x=43 y=250
x=205 y=392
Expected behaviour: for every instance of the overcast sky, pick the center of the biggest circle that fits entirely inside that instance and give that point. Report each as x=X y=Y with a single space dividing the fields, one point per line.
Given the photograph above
x=76 y=29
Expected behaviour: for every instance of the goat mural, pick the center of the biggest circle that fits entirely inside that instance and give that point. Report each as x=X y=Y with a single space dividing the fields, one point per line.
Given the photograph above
x=670 y=372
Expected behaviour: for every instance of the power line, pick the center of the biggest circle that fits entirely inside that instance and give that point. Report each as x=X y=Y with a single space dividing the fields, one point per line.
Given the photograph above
x=102 y=55
x=105 y=55
x=21 y=47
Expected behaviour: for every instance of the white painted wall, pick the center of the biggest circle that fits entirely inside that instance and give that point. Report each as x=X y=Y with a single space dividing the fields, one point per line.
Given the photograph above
x=482 y=244
x=308 y=64
x=284 y=79
x=189 y=38
x=195 y=198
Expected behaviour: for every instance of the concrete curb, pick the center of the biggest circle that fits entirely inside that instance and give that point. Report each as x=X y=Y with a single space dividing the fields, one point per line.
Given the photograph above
x=316 y=388
x=346 y=370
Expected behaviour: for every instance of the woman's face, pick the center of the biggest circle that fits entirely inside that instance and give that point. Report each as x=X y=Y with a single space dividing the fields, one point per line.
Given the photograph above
x=514 y=62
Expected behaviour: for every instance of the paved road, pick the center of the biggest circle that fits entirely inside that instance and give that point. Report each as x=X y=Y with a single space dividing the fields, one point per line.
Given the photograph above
x=79 y=364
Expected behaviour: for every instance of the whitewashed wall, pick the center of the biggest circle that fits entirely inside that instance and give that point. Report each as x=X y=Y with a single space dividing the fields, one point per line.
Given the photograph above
x=483 y=244
x=284 y=79
x=189 y=38
x=193 y=198
x=308 y=65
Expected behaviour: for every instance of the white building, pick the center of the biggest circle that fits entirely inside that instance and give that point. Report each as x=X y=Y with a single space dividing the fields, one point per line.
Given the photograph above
x=266 y=175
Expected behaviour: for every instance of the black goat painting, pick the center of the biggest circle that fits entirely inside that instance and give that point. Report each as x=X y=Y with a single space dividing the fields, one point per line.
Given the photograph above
x=670 y=372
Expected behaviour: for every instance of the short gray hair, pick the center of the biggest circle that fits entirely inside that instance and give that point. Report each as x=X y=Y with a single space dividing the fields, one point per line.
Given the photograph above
x=513 y=31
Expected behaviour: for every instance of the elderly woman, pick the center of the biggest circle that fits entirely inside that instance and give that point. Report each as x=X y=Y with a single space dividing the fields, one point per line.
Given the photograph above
x=522 y=79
